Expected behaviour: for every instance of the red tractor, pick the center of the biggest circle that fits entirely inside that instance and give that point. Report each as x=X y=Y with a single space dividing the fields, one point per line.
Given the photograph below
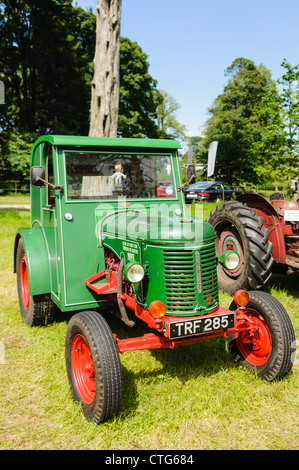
x=265 y=235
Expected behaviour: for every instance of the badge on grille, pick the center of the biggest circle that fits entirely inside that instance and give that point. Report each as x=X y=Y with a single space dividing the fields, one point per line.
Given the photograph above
x=198 y=274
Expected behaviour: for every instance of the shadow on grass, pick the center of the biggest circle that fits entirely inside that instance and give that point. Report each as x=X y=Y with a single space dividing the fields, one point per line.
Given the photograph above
x=197 y=361
x=287 y=283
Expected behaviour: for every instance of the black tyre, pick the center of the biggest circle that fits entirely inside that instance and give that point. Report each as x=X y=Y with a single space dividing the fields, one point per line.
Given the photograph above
x=238 y=228
x=36 y=310
x=93 y=366
x=276 y=197
x=270 y=351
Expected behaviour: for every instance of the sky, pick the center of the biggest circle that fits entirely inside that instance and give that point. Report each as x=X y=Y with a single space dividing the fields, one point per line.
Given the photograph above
x=190 y=44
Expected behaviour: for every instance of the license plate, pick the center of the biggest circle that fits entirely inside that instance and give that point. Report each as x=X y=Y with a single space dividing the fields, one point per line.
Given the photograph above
x=201 y=325
x=191 y=195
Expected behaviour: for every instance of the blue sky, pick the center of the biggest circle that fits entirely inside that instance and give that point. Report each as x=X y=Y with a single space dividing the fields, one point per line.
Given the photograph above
x=190 y=44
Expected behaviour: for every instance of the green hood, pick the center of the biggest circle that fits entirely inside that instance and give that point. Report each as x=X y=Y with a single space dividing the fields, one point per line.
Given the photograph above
x=154 y=228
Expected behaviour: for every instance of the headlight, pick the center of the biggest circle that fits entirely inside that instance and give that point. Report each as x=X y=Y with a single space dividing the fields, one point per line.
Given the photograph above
x=230 y=260
x=134 y=272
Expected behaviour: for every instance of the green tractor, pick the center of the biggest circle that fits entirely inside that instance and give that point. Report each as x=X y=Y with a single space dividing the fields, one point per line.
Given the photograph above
x=103 y=233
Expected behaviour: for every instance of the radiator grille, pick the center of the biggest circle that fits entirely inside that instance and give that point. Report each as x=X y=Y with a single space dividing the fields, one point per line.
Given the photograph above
x=179 y=280
x=185 y=279
x=209 y=276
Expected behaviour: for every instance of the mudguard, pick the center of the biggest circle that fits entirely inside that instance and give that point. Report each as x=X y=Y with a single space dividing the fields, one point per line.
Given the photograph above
x=37 y=259
x=271 y=221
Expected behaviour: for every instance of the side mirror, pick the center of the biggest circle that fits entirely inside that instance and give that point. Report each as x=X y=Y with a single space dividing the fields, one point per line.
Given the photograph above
x=37 y=176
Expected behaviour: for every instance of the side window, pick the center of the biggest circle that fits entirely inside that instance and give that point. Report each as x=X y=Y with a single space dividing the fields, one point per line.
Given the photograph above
x=50 y=176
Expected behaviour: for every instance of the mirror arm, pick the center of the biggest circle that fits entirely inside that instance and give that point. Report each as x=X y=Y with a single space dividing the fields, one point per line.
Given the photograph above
x=54 y=186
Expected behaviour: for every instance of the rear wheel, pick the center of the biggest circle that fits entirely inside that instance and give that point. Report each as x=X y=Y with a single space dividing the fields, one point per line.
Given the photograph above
x=36 y=310
x=238 y=228
x=269 y=349
x=93 y=366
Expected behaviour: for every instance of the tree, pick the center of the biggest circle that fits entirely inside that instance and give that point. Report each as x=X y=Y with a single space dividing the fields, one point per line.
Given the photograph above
x=45 y=64
x=106 y=81
x=290 y=111
x=47 y=50
x=138 y=94
x=246 y=122
x=168 y=125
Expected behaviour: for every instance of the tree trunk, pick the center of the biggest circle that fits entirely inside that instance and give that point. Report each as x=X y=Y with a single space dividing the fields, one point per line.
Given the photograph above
x=105 y=83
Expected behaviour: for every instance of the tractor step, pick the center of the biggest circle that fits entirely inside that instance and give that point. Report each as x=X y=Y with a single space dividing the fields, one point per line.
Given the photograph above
x=102 y=287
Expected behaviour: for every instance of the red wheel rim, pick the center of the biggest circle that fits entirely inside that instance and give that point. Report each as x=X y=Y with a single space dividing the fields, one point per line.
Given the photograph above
x=255 y=345
x=24 y=281
x=83 y=369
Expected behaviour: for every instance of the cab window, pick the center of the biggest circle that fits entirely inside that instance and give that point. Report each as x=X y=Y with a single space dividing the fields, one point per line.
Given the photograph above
x=99 y=175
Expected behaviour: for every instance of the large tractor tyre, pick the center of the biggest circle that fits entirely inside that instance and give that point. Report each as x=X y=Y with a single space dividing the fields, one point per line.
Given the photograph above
x=93 y=366
x=269 y=350
x=36 y=310
x=238 y=228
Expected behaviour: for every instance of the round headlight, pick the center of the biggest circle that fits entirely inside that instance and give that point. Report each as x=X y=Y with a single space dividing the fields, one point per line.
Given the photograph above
x=230 y=260
x=134 y=272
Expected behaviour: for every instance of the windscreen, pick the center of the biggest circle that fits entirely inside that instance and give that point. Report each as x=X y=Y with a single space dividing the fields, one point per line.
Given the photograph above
x=102 y=175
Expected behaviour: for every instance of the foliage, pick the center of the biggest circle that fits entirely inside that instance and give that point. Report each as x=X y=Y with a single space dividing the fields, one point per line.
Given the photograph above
x=46 y=63
x=290 y=111
x=246 y=122
x=168 y=125
x=138 y=97
x=17 y=148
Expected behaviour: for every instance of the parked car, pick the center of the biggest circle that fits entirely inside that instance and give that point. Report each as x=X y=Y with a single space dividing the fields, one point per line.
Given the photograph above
x=165 y=189
x=209 y=191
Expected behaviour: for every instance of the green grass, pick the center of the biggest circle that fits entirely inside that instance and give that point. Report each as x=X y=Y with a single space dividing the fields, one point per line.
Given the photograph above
x=18 y=198
x=194 y=397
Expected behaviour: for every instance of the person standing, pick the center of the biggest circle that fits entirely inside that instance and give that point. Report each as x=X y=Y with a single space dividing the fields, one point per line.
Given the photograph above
x=294 y=186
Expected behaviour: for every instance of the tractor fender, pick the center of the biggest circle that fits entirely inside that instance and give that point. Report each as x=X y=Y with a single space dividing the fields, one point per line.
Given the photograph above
x=272 y=222
x=37 y=259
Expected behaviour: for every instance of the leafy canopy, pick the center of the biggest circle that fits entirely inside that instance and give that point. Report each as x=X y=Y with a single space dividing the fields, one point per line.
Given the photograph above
x=246 y=121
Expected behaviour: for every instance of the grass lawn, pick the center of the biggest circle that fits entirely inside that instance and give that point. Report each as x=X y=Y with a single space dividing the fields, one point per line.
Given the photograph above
x=18 y=198
x=194 y=397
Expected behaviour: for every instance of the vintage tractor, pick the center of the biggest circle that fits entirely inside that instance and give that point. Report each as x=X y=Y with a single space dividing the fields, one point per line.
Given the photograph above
x=101 y=235
x=264 y=234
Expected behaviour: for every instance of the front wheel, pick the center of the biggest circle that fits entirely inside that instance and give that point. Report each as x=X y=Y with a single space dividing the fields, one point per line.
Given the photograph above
x=269 y=349
x=93 y=366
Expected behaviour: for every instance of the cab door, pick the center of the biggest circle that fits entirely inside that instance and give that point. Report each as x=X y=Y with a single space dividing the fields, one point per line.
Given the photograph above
x=80 y=253
x=49 y=218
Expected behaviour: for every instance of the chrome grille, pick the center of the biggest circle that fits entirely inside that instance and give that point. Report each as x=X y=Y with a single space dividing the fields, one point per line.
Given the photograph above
x=179 y=280
x=209 y=276
x=190 y=279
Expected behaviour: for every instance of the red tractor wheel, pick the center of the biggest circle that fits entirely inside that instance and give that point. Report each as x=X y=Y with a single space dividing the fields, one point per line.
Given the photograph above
x=93 y=366
x=269 y=348
x=24 y=281
x=36 y=310
x=83 y=369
